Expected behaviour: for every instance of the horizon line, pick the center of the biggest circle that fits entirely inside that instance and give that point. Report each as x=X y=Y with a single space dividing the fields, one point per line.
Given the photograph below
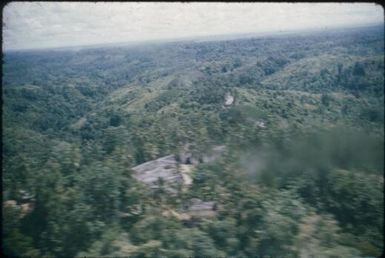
x=200 y=38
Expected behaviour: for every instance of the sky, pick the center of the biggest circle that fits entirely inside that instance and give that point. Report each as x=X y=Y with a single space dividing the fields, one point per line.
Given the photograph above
x=30 y=25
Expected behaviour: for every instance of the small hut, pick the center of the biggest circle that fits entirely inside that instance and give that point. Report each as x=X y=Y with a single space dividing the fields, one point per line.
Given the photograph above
x=202 y=209
x=163 y=169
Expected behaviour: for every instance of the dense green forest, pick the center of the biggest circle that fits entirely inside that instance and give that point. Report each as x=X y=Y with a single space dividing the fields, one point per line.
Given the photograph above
x=300 y=119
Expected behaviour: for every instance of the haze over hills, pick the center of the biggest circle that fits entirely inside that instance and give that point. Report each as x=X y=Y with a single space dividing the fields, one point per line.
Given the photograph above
x=219 y=37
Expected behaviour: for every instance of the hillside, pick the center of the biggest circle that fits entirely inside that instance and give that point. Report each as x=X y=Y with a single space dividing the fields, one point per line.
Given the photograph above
x=270 y=145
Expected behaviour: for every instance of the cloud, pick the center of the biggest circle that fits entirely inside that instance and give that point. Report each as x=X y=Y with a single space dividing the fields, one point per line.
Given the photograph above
x=53 y=24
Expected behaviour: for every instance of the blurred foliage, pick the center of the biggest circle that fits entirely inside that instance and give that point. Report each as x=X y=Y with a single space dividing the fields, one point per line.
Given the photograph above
x=302 y=175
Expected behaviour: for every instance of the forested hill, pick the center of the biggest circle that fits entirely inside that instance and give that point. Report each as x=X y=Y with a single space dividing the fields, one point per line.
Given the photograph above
x=302 y=174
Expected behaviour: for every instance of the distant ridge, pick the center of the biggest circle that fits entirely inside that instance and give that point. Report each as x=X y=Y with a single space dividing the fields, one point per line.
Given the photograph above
x=197 y=39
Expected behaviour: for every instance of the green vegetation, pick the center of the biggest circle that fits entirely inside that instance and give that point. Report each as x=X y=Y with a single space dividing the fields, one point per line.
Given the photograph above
x=302 y=174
